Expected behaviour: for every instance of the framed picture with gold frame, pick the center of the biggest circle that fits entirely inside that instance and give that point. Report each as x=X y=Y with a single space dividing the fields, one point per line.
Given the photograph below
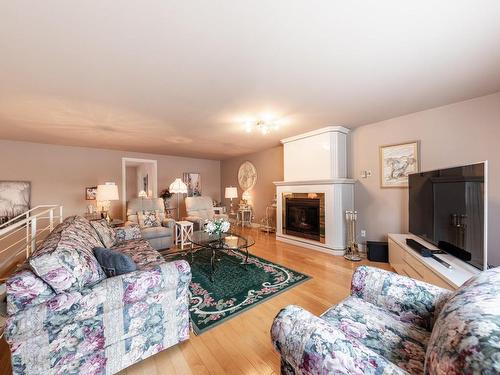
x=397 y=162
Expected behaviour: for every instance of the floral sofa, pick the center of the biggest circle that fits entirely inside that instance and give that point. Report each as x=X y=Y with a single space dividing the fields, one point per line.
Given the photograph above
x=67 y=317
x=391 y=324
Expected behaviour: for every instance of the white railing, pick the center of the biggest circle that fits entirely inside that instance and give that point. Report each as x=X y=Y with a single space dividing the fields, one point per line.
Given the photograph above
x=24 y=232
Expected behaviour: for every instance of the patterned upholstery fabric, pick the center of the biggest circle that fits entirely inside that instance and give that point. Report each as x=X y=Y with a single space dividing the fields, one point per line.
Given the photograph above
x=309 y=345
x=65 y=259
x=404 y=343
x=148 y=219
x=106 y=234
x=414 y=301
x=144 y=256
x=131 y=232
x=466 y=337
x=25 y=289
x=100 y=328
x=384 y=327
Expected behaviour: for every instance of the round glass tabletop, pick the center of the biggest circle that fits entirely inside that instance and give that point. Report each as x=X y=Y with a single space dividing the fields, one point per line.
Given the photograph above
x=230 y=241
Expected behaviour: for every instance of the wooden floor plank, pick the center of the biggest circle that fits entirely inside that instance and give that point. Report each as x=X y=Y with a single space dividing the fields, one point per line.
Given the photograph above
x=243 y=345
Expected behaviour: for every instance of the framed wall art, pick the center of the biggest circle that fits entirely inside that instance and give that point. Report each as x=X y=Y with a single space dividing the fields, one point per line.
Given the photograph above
x=397 y=162
x=193 y=182
x=90 y=193
x=15 y=199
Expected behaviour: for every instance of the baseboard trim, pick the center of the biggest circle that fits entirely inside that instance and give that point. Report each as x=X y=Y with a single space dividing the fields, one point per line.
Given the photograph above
x=310 y=246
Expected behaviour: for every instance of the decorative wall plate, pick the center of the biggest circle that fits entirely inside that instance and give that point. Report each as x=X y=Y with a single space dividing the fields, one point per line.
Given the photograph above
x=247 y=176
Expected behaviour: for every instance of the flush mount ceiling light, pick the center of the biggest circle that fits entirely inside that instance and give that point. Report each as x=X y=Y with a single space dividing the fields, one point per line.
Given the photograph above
x=264 y=127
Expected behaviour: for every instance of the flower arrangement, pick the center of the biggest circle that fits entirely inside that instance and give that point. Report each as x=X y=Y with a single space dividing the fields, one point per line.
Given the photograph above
x=217 y=226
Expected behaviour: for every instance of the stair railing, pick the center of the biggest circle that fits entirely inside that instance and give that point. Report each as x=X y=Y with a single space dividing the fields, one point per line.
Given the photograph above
x=25 y=231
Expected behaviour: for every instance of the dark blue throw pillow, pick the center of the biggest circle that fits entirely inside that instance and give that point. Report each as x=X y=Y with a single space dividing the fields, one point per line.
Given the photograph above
x=113 y=262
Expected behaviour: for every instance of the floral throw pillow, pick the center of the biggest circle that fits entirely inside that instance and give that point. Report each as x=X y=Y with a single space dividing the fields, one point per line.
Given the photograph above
x=149 y=219
x=105 y=232
x=131 y=232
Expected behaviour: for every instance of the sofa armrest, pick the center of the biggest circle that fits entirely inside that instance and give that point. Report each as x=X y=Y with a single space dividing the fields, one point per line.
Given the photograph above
x=198 y=222
x=168 y=223
x=310 y=345
x=413 y=300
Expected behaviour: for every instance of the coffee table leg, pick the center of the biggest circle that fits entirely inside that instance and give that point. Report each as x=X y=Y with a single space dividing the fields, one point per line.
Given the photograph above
x=246 y=258
x=212 y=263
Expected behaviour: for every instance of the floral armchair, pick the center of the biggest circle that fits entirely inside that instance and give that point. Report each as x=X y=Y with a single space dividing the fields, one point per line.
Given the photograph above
x=391 y=324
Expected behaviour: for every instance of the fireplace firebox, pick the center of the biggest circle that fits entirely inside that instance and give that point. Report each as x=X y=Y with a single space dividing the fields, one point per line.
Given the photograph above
x=304 y=216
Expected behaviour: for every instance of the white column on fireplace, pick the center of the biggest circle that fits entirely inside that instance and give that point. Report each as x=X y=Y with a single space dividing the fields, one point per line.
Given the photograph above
x=316 y=162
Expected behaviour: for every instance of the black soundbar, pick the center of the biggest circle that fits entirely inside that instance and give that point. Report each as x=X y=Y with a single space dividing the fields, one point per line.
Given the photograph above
x=424 y=251
x=455 y=251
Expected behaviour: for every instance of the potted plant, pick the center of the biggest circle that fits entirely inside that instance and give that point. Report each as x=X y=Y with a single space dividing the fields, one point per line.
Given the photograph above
x=166 y=195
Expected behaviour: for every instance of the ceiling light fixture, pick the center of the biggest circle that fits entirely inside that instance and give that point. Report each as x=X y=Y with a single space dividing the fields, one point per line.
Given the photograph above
x=264 y=127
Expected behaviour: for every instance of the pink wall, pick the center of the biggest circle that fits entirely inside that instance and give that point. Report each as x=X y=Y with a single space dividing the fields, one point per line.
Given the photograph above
x=269 y=165
x=456 y=134
x=59 y=174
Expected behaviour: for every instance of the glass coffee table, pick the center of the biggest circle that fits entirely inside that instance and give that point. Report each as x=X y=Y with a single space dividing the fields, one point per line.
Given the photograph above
x=201 y=240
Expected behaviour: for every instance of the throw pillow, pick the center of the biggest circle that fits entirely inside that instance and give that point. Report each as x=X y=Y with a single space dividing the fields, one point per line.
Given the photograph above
x=114 y=263
x=104 y=231
x=130 y=232
x=65 y=259
x=149 y=219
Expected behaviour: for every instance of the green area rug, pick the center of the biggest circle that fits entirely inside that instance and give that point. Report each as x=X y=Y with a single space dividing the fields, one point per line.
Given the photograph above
x=235 y=288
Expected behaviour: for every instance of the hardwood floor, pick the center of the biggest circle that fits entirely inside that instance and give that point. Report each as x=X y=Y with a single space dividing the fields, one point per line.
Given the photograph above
x=242 y=345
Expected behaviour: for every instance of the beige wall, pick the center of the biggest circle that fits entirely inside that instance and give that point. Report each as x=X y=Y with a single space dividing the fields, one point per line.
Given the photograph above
x=456 y=134
x=131 y=182
x=269 y=165
x=59 y=174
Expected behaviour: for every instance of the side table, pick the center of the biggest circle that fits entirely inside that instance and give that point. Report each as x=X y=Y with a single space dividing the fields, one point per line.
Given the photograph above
x=244 y=217
x=183 y=233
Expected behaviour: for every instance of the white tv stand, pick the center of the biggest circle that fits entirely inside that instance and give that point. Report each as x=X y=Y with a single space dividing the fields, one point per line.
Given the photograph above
x=407 y=261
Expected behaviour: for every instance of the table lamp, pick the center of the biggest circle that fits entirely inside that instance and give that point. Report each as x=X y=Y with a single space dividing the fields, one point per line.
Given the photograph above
x=178 y=187
x=105 y=194
x=230 y=193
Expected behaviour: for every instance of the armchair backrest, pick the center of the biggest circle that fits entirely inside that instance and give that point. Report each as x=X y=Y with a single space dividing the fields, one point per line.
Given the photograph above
x=201 y=207
x=143 y=204
x=466 y=335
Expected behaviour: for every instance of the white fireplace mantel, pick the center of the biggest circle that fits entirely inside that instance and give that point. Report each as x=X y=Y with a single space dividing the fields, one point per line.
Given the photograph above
x=329 y=181
x=316 y=162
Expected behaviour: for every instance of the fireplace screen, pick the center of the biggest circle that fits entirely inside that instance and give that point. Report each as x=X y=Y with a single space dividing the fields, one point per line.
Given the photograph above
x=304 y=216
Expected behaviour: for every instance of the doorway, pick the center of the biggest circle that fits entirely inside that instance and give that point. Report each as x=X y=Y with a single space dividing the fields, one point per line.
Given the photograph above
x=139 y=177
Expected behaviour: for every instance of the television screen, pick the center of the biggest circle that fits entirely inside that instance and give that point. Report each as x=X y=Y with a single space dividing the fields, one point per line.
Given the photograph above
x=447 y=208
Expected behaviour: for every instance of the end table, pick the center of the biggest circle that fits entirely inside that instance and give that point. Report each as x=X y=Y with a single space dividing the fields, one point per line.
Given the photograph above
x=183 y=233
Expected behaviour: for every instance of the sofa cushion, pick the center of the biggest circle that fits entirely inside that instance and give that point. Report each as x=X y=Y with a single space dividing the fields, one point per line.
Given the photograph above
x=65 y=259
x=104 y=231
x=148 y=219
x=387 y=334
x=466 y=336
x=113 y=262
x=141 y=252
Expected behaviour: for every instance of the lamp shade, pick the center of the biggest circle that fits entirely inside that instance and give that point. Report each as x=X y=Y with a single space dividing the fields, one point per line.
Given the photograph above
x=231 y=192
x=178 y=187
x=107 y=192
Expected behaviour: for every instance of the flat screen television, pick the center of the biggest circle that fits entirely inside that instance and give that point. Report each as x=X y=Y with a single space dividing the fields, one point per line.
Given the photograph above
x=448 y=208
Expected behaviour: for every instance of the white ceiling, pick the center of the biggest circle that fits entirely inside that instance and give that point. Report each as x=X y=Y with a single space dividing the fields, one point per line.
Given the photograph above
x=180 y=77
